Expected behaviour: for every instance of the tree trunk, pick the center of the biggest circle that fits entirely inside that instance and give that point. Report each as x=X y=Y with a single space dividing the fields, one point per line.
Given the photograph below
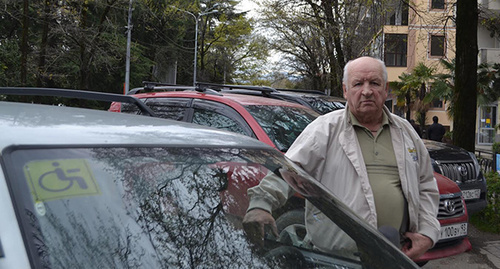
x=466 y=75
x=24 y=43
x=408 y=108
x=41 y=77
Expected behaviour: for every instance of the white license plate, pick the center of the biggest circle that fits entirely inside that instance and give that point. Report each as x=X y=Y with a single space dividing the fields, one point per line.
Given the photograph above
x=452 y=231
x=471 y=194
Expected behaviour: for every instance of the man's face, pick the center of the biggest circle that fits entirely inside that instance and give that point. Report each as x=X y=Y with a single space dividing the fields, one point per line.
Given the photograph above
x=366 y=90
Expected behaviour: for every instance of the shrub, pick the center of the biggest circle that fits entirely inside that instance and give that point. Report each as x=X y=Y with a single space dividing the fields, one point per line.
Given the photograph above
x=488 y=219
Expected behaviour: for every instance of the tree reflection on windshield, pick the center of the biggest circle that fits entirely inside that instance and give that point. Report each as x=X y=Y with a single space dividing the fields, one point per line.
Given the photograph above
x=156 y=208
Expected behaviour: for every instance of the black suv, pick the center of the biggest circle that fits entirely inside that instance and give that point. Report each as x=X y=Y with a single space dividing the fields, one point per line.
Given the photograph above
x=462 y=167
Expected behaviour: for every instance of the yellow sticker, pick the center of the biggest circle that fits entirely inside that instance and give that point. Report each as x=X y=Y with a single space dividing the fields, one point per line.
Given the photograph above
x=60 y=178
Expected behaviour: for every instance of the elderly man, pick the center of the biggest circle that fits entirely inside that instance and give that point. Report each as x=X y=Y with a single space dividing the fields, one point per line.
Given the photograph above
x=370 y=159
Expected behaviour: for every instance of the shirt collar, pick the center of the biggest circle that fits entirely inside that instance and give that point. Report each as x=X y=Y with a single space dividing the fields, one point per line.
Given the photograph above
x=354 y=121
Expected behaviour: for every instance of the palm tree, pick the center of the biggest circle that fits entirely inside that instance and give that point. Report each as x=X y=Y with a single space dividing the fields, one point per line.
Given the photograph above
x=488 y=85
x=413 y=89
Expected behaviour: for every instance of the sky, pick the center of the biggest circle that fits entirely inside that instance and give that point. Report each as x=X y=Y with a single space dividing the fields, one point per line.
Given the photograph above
x=248 y=5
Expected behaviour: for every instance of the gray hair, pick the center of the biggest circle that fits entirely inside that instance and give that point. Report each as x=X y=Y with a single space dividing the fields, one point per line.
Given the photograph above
x=346 y=67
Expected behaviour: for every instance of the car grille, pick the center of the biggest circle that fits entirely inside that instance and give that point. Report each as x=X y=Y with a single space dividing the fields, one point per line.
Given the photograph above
x=450 y=206
x=458 y=172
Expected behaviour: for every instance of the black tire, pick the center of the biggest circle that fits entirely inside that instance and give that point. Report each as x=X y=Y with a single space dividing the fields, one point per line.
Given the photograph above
x=291 y=227
x=421 y=264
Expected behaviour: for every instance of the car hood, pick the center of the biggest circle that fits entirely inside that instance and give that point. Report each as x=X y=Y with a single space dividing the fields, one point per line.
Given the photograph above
x=446 y=185
x=445 y=152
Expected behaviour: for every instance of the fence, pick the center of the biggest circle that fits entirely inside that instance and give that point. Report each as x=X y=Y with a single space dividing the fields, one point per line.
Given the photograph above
x=486 y=160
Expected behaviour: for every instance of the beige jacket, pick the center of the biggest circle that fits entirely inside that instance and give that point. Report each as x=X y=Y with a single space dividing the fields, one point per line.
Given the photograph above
x=328 y=149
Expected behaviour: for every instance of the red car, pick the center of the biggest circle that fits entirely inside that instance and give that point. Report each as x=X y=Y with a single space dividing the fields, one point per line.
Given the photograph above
x=278 y=123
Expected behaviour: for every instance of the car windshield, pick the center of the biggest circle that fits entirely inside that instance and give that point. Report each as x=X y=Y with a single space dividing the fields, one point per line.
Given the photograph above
x=179 y=207
x=282 y=123
x=323 y=104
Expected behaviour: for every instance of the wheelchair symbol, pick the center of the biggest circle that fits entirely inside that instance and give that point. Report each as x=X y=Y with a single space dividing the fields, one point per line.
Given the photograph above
x=62 y=181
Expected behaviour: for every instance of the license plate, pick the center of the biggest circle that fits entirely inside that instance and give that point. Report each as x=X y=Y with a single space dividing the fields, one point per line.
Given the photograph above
x=471 y=194
x=452 y=231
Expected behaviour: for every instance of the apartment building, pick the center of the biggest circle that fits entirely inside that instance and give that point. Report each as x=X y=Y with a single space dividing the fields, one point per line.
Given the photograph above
x=425 y=33
x=489 y=52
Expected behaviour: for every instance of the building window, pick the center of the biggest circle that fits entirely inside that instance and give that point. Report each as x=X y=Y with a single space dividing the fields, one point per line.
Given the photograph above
x=437 y=103
x=395 y=48
x=437 y=45
x=437 y=4
x=399 y=15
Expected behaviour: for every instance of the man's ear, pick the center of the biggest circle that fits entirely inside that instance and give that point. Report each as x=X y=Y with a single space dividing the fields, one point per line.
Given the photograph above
x=344 y=88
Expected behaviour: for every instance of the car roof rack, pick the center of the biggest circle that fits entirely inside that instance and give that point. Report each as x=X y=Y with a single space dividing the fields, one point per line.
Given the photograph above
x=150 y=86
x=220 y=87
x=89 y=95
x=301 y=91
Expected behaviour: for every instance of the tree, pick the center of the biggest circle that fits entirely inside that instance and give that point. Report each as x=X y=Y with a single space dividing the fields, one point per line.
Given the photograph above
x=232 y=51
x=465 y=75
x=413 y=89
x=488 y=85
x=319 y=37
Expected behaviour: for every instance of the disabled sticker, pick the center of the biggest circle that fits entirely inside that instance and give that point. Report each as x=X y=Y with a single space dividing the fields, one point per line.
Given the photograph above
x=61 y=178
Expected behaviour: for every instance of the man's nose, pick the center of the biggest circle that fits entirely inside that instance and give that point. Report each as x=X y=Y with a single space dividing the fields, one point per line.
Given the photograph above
x=366 y=90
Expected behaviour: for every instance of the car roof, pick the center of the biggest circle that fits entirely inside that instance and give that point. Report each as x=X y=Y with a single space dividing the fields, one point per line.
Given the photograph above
x=32 y=124
x=245 y=100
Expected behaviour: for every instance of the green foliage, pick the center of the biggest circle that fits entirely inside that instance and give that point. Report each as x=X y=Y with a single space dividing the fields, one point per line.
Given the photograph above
x=496 y=147
x=489 y=218
x=9 y=63
x=488 y=85
x=82 y=44
x=412 y=88
x=492 y=23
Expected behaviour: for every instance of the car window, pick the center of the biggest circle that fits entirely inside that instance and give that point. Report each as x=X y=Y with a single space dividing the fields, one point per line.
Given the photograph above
x=153 y=208
x=322 y=104
x=216 y=120
x=281 y=123
x=170 y=108
x=167 y=108
x=221 y=116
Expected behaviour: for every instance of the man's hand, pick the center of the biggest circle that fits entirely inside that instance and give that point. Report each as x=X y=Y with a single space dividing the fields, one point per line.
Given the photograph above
x=254 y=223
x=417 y=245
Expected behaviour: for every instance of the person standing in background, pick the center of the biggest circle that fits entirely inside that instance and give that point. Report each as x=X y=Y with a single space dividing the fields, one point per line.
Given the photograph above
x=436 y=131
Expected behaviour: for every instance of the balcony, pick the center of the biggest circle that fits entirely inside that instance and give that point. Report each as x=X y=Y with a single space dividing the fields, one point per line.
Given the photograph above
x=491 y=55
x=490 y=4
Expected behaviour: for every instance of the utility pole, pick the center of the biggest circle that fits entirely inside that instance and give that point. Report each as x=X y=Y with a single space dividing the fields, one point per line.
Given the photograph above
x=197 y=18
x=129 y=37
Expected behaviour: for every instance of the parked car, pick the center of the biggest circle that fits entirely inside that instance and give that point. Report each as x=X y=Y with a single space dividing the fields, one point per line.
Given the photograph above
x=93 y=189
x=290 y=218
x=274 y=122
x=316 y=100
x=463 y=168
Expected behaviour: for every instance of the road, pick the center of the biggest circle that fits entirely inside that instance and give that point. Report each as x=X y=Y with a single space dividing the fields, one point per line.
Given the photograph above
x=485 y=253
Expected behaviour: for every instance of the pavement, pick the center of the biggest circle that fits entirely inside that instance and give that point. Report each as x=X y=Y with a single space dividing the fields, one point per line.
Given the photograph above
x=485 y=253
x=492 y=251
